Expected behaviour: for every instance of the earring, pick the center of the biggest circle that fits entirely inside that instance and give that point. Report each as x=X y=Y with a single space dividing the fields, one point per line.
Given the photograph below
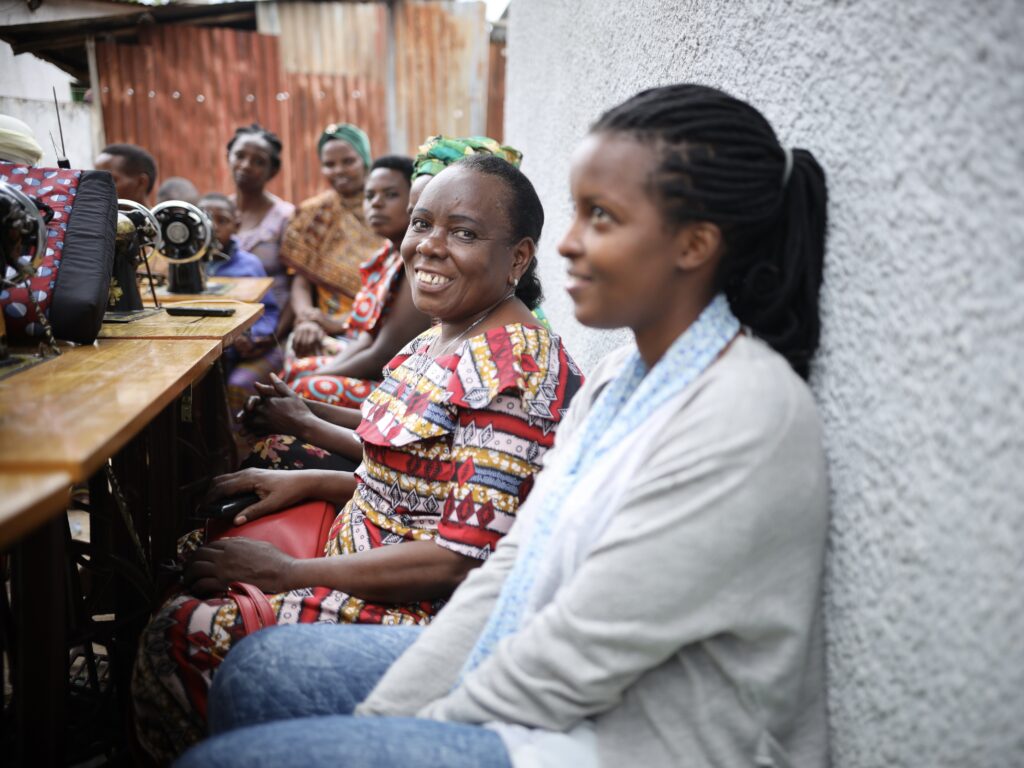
x=513 y=281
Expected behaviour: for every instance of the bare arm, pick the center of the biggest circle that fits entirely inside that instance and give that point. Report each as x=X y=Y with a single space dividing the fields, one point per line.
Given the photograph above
x=302 y=298
x=403 y=323
x=400 y=573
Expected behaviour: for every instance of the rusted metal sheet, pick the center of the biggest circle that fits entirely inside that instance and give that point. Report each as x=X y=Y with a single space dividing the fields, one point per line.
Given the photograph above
x=496 y=91
x=441 y=67
x=438 y=68
x=334 y=38
x=183 y=90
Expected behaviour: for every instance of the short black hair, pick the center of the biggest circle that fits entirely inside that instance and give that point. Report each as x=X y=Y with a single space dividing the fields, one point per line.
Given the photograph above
x=177 y=188
x=218 y=197
x=526 y=215
x=272 y=139
x=136 y=161
x=399 y=163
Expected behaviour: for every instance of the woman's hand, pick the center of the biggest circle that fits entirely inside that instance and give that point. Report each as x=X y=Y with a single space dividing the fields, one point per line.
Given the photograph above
x=308 y=315
x=306 y=338
x=251 y=347
x=333 y=326
x=280 y=416
x=277 y=489
x=276 y=410
x=214 y=566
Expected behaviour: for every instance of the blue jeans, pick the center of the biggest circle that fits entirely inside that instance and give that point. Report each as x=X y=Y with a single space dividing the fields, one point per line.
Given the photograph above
x=285 y=696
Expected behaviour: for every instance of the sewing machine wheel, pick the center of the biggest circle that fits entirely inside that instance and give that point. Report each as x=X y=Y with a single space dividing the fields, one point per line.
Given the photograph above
x=185 y=229
x=23 y=228
x=145 y=224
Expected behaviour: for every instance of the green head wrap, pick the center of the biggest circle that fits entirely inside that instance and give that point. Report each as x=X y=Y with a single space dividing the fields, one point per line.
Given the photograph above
x=349 y=133
x=438 y=153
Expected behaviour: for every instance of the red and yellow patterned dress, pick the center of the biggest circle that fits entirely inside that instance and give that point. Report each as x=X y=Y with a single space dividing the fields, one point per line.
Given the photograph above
x=450 y=449
x=380 y=276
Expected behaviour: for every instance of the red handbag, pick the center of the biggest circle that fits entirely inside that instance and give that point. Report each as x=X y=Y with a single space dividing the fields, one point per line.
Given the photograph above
x=301 y=532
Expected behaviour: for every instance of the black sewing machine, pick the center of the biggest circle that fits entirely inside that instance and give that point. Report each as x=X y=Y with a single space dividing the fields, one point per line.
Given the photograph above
x=22 y=248
x=178 y=231
x=187 y=234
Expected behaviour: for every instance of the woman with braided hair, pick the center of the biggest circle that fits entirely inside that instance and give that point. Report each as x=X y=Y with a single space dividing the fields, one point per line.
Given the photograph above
x=658 y=601
x=254 y=154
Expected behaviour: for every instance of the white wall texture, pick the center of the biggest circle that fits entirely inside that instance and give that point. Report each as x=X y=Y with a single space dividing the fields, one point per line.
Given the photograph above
x=25 y=93
x=916 y=111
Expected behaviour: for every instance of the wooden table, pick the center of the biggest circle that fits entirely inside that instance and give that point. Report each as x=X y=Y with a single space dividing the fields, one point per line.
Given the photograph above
x=73 y=412
x=251 y=289
x=28 y=500
x=62 y=420
x=164 y=326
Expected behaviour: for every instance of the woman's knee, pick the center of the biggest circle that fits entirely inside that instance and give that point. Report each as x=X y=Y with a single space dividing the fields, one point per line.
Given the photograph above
x=302 y=670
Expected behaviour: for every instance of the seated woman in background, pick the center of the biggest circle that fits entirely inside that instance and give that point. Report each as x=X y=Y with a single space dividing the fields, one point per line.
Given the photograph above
x=383 y=318
x=250 y=357
x=328 y=241
x=658 y=602
x=451 y=440
x=254 y=155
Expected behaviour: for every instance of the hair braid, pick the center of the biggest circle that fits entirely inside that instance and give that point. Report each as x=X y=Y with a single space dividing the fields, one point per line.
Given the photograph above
x=720 y=161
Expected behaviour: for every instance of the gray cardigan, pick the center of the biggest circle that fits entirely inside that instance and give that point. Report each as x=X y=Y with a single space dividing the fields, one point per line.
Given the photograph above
x=692 y=635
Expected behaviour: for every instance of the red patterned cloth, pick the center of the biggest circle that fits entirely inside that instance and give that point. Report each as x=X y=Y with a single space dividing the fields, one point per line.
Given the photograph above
x=56 y=187
x=380 y=276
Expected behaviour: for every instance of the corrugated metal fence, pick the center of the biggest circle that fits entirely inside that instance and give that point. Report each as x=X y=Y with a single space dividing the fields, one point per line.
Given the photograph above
x=183 y=90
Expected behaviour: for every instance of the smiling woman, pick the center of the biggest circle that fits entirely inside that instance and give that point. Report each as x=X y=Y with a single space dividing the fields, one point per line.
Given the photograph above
x=383 y=317
x=449 y=443
x=658 y=601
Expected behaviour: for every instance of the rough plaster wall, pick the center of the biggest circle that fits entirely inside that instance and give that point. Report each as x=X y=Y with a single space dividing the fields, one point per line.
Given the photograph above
x=25 y=93
x=915 y=109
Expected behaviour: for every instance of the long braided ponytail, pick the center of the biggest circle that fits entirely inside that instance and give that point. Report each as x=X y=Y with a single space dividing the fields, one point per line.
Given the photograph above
x=720 y=161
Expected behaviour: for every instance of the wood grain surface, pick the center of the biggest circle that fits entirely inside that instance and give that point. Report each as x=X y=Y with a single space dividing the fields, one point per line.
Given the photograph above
x=73 y=412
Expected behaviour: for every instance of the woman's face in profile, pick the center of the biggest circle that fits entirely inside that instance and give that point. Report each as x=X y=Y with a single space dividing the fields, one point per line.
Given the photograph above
x=620 y=249
x=342 y=166
x=458 y=250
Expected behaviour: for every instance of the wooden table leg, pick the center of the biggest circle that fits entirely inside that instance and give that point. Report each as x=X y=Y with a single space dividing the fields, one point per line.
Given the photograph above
x=39 y=597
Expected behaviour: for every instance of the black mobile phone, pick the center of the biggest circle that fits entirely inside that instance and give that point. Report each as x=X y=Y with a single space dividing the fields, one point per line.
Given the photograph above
x=201 y=311
x=225 y=509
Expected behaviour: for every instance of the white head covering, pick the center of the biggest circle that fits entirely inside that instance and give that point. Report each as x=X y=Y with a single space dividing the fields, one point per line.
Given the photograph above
x=17 y=142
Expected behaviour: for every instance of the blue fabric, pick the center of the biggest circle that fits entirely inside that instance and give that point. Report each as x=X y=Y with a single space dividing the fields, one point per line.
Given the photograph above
x=241 y=263
x=284 y=696
x=624 y=405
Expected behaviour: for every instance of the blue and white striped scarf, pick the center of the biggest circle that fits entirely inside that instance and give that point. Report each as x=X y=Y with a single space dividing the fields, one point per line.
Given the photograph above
x=624 y=405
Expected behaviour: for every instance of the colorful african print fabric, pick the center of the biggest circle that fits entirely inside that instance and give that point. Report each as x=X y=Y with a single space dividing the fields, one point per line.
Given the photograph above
x=450 y=449
x=326 y=242
x=438 y=152
x=380 y=276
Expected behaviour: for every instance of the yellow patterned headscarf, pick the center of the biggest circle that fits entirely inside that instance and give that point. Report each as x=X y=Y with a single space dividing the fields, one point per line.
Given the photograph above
x=437 y=153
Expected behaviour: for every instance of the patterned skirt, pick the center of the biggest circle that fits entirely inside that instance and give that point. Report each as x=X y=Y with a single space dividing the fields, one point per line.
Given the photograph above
x=300 y=374
x=182 y=646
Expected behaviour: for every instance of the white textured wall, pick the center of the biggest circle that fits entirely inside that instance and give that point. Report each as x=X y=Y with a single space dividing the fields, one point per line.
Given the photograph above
x=25 y=93
x=916 y=111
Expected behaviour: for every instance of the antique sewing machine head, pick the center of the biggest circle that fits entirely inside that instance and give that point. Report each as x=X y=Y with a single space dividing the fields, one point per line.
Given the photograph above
x=22 y=244
x=138 y=235
x=177 y=230
x=187 y=234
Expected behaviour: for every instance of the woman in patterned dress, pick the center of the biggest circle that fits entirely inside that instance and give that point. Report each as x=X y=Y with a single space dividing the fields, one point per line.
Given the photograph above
x=383 y=318
x=328 y=239
x=450 y=442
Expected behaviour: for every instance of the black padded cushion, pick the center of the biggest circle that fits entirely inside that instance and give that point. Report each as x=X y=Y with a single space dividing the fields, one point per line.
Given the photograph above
x=83 y=280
